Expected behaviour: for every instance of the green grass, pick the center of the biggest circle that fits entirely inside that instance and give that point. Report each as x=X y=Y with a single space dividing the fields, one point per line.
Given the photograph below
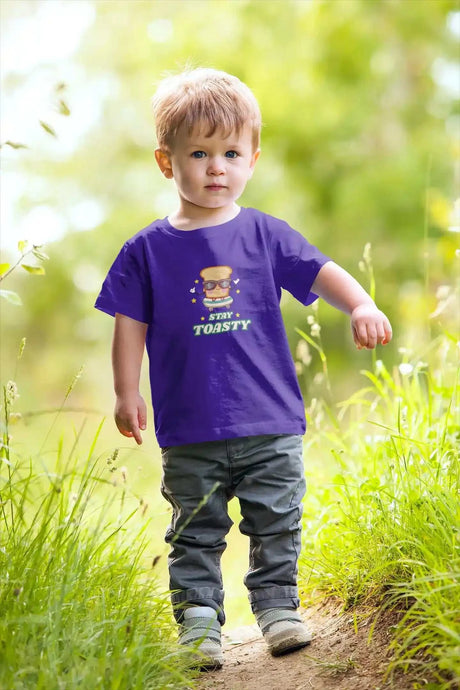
x=77 y=607
x=382 y=519
x=80 y=609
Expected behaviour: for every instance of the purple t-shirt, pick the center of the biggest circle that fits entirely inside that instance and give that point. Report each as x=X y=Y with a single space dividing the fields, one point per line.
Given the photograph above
x=220 y=364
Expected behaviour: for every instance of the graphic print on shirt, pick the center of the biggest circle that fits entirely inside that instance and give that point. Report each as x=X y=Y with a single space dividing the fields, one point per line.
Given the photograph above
x=216 y=283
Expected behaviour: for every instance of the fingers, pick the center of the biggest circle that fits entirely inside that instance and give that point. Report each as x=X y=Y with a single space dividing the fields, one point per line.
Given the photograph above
x=141 y=424
x=131 y=418
x=380 y=333
x=384 y=332
x=371 y=336
x=365 y=336
x=368 y=334
x=137 y=435
x=388 y=332
x=130 y=429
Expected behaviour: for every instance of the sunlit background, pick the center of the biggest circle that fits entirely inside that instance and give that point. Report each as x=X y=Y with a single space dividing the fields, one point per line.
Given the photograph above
x=360 y=145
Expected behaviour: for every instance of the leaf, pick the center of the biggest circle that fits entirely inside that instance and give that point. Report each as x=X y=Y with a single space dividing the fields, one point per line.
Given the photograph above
x=339 y=480
x=370 y=485
x=35 y=270
x=63 y=108
x=22 y=246
x=22 y=347
x=311 y=342
x=4 y=268
x=14 y=145
x=11 y=297
x=48 y=128
x=39 y=255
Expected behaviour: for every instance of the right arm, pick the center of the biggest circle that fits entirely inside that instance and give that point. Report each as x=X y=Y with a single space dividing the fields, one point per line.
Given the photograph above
x=127 y=352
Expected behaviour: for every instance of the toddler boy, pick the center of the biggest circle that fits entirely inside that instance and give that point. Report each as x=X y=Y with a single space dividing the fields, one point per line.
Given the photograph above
x=201 y=290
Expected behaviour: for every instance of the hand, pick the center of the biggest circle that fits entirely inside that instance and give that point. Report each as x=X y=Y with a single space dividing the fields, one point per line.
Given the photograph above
x=131 y=416
x=370 y=327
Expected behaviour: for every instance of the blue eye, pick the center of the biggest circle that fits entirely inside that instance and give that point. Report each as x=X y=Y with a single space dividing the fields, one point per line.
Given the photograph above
x=231 y=154
x=198 y=154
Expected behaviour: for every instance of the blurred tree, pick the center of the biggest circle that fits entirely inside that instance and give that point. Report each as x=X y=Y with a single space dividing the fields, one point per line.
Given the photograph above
x=360 y=124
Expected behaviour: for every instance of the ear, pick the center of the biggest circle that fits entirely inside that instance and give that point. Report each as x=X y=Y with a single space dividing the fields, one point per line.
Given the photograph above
x=164 y=163
x=253 y=162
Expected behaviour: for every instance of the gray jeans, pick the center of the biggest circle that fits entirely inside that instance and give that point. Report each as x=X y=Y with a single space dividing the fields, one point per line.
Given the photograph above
x=266 y=474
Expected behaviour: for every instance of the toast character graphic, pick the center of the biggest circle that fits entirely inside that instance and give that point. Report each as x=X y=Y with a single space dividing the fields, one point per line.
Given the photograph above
x=216 y=285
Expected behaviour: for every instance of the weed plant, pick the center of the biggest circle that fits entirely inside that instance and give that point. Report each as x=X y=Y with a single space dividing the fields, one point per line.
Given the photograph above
x=382 y=521
x=77 y=608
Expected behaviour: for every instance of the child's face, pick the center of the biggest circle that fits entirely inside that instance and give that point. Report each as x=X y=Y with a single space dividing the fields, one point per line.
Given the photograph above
x=210 y=172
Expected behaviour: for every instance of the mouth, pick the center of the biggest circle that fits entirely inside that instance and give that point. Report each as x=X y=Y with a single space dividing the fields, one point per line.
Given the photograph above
x=215 y=187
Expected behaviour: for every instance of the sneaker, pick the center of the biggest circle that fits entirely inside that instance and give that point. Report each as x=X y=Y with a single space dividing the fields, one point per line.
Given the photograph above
x=283 y=630
x=200 y=629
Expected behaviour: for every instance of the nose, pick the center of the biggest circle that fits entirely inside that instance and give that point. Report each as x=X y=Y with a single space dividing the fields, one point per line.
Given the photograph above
x=216 y=166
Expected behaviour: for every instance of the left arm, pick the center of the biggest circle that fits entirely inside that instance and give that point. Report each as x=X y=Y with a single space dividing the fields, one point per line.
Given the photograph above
x=369 y=325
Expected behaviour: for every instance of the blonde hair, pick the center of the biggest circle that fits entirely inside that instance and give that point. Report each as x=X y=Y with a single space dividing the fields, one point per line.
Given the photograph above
x=204 y=96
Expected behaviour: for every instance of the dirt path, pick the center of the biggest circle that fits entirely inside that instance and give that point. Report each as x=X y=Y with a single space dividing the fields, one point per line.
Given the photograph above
x=338 y=658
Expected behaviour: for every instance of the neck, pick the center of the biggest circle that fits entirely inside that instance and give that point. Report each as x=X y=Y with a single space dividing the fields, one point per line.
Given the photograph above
x=190 y=217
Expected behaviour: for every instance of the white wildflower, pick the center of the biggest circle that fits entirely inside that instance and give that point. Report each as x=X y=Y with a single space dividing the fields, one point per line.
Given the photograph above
x=11 y=392
x=443 y=292
x=315 y=330
x=303 y=352
x=367 y=252
x=405 y=368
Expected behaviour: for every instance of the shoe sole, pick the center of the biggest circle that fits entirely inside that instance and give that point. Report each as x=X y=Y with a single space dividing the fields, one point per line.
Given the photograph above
x=203 y=662
x=281 y=644
x=209 y=665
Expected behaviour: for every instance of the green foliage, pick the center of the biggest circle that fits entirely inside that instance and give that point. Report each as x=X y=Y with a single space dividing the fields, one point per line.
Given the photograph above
x=77 y=606
x=13 y=145
x=357 y=147
x=36 y=270
x=383 y=521
x=11 y=297
x=48 y=129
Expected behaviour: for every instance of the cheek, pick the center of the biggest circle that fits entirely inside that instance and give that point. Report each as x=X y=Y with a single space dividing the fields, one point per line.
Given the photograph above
x=181 y=179
x=188 y=175
x=242 y=177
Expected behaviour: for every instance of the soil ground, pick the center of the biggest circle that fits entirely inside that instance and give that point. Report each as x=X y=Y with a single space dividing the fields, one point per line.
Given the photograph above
x=339 y=657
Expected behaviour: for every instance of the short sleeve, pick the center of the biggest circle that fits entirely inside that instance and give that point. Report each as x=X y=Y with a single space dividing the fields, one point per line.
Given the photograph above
x=296 y=262
x=127 y=288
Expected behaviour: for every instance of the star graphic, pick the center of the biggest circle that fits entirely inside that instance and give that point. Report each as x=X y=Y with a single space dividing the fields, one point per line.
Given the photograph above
x=197 y=281
x=238 y=292
x=237 y=316
x=202 y=318
x=193 y=301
